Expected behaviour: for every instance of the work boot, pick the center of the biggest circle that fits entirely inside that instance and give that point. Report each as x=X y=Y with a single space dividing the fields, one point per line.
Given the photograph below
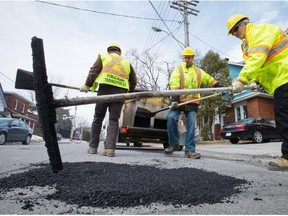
x=92 y=151
x=281 y=164
x=192 y=154
x=170 y=149
x=109 y=152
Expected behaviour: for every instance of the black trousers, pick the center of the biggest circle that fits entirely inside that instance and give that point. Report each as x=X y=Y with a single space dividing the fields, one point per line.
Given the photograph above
x=114 y=109
x=281 y=116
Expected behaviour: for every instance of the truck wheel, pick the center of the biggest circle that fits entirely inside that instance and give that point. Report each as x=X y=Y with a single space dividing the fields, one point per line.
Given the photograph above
x=138 y=144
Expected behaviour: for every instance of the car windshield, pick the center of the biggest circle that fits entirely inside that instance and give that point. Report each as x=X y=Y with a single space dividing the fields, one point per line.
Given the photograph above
x=4 y=122
x=245 y=121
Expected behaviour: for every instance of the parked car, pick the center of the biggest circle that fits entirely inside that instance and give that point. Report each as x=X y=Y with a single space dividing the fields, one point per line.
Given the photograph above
x=14 y=130
x=59 y=137
x=255 y=128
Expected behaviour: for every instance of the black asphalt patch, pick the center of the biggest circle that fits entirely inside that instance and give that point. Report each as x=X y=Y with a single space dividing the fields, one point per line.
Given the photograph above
x=100 y=184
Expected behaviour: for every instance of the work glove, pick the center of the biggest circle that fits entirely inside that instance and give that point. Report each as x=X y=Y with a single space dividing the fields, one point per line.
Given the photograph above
x=253 y=86
x=237 y=86
x=174 y=105
x=84 y=88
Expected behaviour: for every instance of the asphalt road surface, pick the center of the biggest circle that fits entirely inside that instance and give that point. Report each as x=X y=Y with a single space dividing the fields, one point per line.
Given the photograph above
x=228 y=179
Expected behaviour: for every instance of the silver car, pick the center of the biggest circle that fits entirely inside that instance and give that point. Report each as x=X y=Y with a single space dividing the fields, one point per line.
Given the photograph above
x=14 y=130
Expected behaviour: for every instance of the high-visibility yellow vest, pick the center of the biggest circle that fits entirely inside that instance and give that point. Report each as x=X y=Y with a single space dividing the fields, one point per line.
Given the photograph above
x=265 y=51
x=115 y=71
x=189 y=78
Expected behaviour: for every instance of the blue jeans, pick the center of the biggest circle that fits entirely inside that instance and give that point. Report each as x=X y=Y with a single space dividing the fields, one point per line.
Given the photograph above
x=172 y=128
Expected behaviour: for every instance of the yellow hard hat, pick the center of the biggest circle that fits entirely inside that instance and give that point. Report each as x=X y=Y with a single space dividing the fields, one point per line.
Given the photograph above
x=233 y=20
x=114 y=45
x=188 y=52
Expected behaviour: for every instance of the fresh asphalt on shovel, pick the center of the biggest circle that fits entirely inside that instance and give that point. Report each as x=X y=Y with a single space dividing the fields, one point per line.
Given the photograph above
x=145 y=113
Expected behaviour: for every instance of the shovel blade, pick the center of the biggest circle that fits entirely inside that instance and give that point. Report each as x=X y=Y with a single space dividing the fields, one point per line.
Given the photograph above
x=144 y=113
x=24 y=80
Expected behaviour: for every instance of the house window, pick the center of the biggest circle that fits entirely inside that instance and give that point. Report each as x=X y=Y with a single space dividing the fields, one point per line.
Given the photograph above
x=245 y=111
x=23 y=108
x=15 y=104
x=240 y=112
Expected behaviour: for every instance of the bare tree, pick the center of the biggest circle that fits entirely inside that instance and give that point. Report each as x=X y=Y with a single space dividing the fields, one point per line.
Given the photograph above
x=150 y=71
x=82 y=122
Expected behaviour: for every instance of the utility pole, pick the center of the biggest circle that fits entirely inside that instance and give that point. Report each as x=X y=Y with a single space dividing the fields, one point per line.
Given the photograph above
x=73 y=124
x=184 y=6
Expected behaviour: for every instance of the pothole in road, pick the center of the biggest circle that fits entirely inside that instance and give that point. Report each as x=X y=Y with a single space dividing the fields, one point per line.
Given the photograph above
x=101 y=184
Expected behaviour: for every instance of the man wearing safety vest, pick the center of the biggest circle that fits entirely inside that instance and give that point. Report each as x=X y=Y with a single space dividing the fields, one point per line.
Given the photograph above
x=114 y=75
x=265 y=51
x=186 y=76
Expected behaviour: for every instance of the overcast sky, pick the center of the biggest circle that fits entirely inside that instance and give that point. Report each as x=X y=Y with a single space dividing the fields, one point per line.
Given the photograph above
x=74 y=32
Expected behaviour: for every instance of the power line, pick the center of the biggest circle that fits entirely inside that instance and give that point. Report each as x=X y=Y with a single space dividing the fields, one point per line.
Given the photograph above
x=212 y=46
x=7 y=77
x=162 y=40
x=189 y=34
x=170 y=33
x=163 y=8
x=185 y=7
x=101 y=12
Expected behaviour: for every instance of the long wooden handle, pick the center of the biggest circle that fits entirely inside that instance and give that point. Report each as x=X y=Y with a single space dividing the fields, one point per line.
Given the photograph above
x=187 y=102
x=198 y=99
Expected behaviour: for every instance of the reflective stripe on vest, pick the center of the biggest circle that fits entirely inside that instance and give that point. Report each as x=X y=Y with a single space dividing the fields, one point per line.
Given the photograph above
x=108 y=68
x=278 y=48
x=115 y=72
x=182 y=84
x=182 y=77
x=270 y=53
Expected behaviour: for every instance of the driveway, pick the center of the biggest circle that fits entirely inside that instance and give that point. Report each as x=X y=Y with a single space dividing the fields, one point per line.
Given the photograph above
x=228 y=179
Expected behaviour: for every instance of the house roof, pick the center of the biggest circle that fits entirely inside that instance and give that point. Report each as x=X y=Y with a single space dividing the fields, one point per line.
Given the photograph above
x=16 y=114
x=245 y=95
x=241 y=64
x=17 y=95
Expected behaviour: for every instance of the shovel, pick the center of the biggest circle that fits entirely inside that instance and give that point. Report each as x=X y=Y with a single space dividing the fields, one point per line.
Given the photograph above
x=144 y=113
x=25 y=80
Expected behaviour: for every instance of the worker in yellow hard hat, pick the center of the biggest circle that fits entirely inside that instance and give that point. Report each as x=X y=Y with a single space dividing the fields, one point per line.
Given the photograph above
x=235 y=21
x=114 y=47
x=265 y=51
x=112 y=74
x=186 y=76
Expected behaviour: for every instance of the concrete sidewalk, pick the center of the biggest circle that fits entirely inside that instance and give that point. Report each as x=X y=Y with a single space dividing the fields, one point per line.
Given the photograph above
x=269 y=149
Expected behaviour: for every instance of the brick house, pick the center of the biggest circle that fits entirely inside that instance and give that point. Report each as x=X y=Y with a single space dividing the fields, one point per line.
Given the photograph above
x=248 y=103
x=18 y=107
x=3 y=104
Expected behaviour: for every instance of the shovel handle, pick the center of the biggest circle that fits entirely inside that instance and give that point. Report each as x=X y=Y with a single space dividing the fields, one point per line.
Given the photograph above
x=64 y=86
x=187 y=102
x=198 y=99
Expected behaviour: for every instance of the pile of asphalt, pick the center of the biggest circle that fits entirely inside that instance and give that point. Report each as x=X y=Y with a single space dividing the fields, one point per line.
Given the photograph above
x=100 y=184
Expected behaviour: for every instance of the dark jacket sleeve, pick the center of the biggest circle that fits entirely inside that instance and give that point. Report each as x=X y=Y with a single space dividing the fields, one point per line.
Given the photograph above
x=217 y=85
x=94 y=72
x=132 y=79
